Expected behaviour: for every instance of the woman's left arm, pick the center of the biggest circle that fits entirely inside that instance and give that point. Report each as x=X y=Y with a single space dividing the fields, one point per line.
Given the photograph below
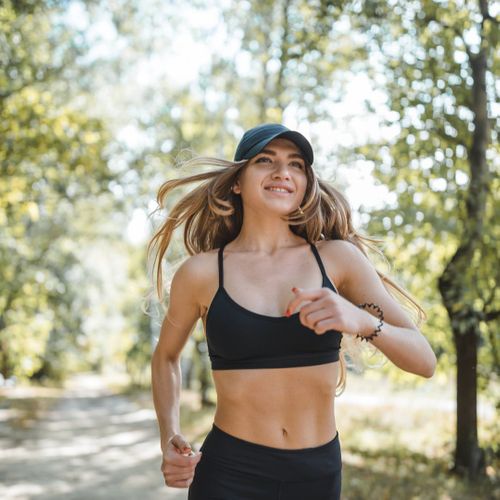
x=399 y=338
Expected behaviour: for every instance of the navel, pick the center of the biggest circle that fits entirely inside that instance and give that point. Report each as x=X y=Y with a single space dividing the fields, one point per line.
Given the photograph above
x=284 y=431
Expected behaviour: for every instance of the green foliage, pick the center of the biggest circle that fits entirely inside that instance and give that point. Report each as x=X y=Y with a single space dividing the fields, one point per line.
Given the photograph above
x=427 y=49
x=51 y=158
x=290 y=57
x=138 y=325
x=296 y=57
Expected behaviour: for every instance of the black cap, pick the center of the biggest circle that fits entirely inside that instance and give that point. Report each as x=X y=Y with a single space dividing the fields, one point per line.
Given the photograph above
x=255 y=139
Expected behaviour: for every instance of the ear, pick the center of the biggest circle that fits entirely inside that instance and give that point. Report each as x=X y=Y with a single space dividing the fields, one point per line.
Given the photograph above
x=236 y=188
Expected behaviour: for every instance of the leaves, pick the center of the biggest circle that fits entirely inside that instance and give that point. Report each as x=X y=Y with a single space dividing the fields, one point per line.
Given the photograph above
x=51 y=156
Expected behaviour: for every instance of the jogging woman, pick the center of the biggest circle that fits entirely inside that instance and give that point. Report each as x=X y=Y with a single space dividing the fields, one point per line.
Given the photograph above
x=282 y=283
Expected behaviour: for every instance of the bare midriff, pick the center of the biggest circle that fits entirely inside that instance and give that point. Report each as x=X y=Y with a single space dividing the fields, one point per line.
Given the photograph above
x=287 y=408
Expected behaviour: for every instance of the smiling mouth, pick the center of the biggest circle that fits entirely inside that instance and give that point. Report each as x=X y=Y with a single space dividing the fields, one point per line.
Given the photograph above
x=278 y=191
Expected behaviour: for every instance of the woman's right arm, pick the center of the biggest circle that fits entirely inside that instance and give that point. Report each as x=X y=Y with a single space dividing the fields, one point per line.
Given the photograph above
x=180 y=320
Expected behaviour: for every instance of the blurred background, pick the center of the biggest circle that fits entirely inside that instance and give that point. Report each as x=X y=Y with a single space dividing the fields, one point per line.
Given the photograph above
x=98 y=99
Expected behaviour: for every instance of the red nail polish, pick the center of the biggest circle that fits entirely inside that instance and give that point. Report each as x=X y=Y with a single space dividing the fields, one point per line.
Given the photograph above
x=287 y=313
x=294 y=289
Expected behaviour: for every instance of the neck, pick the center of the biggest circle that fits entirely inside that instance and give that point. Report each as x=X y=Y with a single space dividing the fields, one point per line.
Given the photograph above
x=266 y=236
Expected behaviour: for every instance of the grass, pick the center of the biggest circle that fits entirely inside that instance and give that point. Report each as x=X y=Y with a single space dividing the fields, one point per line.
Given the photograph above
x=398 y=445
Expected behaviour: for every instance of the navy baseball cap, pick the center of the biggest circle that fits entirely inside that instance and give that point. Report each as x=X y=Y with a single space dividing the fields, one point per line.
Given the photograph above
x=255 y=139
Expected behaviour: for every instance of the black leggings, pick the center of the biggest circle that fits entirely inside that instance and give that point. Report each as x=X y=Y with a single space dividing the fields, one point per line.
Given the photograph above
x=234 y=469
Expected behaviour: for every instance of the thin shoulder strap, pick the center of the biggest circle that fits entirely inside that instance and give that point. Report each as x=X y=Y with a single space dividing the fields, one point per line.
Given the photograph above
x=326 y=279
x=318 y=259
x=221 y=267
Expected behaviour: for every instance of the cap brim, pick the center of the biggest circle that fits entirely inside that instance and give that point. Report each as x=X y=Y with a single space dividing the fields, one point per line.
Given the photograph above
x=296 y=137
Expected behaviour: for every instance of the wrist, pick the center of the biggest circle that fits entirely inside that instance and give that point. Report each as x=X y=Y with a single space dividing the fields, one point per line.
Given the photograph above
x=165 y=440
x=372 y=325
x=368 y=324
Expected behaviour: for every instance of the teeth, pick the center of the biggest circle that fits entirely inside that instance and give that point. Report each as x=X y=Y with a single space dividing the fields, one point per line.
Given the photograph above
x=278 y=189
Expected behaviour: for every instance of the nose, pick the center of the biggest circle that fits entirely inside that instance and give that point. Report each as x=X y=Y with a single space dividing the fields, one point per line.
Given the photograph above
x=281 y=170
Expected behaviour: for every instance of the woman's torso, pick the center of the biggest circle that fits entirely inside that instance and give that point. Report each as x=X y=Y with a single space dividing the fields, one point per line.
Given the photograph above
x=279 y=407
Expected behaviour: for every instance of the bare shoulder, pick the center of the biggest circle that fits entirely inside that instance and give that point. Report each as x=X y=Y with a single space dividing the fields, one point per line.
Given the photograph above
x=339 y=256
x=200 y=268
x=336 y=245
x=340 y=249
x=186 y=303
x=198 y=261
x=202 y=273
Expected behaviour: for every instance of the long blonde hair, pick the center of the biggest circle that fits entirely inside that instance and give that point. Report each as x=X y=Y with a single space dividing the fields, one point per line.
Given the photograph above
x=213 y=216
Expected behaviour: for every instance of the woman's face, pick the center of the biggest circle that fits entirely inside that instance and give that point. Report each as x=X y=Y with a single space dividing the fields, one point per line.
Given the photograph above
x=279 y=164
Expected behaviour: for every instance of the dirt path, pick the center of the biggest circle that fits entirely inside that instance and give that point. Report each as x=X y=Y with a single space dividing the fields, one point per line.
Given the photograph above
x=81 y=443
x=90 y=442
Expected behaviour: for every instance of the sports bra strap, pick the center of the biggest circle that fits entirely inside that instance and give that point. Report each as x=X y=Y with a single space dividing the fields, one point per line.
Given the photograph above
x=313 y=247
x=221 y=270
x=320 y=262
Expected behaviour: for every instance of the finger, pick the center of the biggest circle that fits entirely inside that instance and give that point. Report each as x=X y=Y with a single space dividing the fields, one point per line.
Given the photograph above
x=172 y=478
x=180 y=443
x=324 y=325
x=316 y=305
x=180 y=484
x=307 y=311
x=182 y=460
x=168 y=468
x=311 y=319
x=179 y=478
x=303 y=294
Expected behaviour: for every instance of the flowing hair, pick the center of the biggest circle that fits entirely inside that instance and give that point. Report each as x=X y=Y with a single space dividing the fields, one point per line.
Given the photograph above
x=212 y=215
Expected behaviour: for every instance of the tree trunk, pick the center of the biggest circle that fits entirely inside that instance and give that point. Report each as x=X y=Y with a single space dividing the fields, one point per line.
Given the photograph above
x=469 y=457
x=456 y=278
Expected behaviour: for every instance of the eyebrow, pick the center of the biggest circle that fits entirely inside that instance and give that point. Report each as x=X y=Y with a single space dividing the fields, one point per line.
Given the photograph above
x=291 y=155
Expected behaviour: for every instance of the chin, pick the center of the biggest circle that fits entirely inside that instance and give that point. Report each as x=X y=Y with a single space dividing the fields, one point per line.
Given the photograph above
x=277 y=207
x=283 y=212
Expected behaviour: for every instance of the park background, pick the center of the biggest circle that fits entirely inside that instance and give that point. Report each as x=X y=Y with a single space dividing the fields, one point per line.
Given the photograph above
x=100 y=99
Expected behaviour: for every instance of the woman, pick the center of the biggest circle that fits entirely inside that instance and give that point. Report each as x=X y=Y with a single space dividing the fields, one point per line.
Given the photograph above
x=279 y=277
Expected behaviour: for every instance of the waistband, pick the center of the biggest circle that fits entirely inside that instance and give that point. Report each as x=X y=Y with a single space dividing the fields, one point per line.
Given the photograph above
x=274 y=463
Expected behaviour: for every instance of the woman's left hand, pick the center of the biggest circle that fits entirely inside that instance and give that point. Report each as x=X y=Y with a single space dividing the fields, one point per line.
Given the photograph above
x=329 y=311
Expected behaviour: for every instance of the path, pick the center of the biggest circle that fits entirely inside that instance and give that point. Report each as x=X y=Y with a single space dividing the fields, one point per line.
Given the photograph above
x=88 y=443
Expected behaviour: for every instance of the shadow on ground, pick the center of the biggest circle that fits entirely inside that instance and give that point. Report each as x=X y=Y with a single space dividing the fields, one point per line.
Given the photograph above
x=85 y=443
x=90 y=442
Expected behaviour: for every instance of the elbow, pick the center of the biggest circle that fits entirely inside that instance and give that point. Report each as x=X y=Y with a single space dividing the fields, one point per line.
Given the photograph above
x=154 y=357
x=425 y=367
x=430 y=368
x=160 y=358
x=427 y=374
x=428 y=361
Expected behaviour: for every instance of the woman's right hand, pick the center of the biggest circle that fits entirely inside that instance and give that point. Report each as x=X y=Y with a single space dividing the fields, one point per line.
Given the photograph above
x=179 y=462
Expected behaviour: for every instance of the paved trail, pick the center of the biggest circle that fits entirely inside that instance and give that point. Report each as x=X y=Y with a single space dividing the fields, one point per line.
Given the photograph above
x=87 y=444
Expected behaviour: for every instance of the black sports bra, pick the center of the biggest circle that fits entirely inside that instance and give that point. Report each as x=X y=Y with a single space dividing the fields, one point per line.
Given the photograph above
x=238 y=338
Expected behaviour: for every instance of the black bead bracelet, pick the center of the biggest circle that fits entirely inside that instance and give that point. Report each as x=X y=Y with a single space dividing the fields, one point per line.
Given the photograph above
x=380 y=317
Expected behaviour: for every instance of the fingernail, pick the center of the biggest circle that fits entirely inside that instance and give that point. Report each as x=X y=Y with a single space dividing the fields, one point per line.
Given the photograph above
x=294 y=289
x=287 y=312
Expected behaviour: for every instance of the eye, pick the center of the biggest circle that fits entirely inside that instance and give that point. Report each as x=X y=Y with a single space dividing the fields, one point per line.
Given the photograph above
x=266 y=159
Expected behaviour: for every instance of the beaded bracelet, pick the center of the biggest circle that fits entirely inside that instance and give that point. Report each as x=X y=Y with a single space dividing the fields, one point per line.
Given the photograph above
x=380 y=317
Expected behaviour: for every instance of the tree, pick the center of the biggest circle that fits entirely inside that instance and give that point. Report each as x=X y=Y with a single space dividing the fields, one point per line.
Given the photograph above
x=439 y=61
x=52 y=162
